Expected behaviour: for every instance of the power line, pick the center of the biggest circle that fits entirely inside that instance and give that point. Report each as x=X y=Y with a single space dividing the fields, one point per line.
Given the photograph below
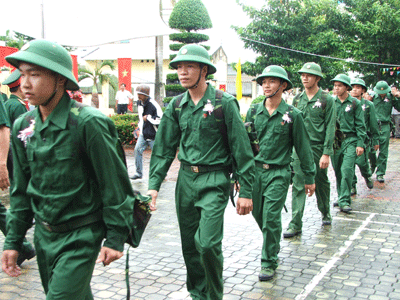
x=319 y=55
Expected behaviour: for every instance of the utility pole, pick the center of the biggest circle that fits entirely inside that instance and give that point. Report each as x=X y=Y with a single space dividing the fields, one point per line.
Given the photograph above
x=158 y=86
x=42 y=11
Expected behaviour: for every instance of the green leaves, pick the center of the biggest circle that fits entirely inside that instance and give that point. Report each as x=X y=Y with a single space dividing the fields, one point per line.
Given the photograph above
x=190 y=15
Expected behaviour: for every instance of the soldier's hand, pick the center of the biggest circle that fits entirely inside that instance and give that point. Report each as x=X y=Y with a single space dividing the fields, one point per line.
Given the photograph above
x=154 y=195
x=244 y=206
x=4 y=181
x=310 y=189
x=108 y=255
x=376 y=147
x=9 y=263
x=324 y=161
x=367 y=96
x=359 y=151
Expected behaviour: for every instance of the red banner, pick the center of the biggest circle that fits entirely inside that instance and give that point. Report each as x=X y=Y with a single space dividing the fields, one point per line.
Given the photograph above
x=124 y=75
x=75 y=65
x=5 y=51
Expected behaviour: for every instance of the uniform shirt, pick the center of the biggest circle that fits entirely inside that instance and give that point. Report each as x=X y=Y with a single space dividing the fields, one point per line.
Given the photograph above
x=319 y=119
x=68 y=168
x=14 y=107
x=278 y=133
x=371 y=122
x=123 y=97
x=200 y=140
x=3 y=115
x=383 y=107
x=3 y=97
x=351 y=118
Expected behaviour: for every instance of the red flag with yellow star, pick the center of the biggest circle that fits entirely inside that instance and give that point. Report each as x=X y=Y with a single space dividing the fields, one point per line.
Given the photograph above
x=124 y=75
x=75 y=65
x=5 y=51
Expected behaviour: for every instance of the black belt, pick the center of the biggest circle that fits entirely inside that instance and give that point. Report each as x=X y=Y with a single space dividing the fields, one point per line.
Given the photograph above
x=72 y=225
x=204 y=169
x=269 y=166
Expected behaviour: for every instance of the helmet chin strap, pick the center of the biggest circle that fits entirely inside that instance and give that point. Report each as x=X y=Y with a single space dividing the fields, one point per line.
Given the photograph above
x=197 y=82
x=51 y=97
x=275 y=91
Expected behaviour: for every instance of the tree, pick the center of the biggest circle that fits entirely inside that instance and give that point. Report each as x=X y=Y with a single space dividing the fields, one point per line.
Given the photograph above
x=187 y=16
x=15 y=39
x=346 y=31
x=98 y=75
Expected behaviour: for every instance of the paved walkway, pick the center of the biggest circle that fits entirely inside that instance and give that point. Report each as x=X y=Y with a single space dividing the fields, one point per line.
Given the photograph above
x=358 y=257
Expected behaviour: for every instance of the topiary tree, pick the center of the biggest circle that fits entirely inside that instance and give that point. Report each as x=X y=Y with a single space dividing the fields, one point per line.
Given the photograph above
x=187 y=16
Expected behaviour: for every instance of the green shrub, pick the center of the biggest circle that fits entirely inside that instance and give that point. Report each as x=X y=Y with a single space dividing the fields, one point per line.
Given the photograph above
x=190 y=15
x=175 y=88
x=188 y=37
x=125 y=124
x=167 y=99
x=172 y=76
x=258 y=99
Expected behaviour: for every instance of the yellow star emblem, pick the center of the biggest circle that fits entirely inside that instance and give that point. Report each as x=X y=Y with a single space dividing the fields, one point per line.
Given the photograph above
x=124 y=73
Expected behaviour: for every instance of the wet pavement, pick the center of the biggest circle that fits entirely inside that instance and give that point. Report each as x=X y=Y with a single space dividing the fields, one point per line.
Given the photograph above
x=357 y=257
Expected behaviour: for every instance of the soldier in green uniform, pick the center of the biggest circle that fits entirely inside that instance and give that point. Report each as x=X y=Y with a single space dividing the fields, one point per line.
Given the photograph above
x=319 y=118
x=205 y=153
x=351 y=119
x=67 y=175
x=384 y=100
x=278 y=126
x=5 y=144
x=15 y=107
x=372 y=141
x=3 y=97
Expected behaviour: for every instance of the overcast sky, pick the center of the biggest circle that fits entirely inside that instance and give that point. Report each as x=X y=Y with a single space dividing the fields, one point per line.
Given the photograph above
x=87 y=22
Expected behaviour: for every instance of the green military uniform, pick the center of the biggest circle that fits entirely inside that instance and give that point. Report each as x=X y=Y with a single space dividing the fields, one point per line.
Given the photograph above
x=277 y=134
x=3 y=97
x=372 y=139
x=201 y=197
x=351 y=120
x=15 y=107
x=383 y=109
x=319 y=118
x=67 y=173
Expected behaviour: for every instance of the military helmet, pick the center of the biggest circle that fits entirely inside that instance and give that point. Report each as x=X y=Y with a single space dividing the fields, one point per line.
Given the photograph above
x=343 y=78
x=275 y=71
x=195 y=53
x=358 y=81
x=48 y=55
x=382 y=87
x=13 y=79
x=311 y=68
x=143 y=90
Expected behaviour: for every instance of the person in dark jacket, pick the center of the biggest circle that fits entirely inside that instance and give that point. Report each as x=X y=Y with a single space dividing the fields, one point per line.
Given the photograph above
x=150 y=114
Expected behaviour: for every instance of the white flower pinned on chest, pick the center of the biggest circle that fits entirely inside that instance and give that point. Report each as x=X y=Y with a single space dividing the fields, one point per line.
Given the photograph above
x=208 y=108
x=363 y=107
x=286 y=118
x=317 y=104
x=25 y=134
x=386 y=100
x=348 y=108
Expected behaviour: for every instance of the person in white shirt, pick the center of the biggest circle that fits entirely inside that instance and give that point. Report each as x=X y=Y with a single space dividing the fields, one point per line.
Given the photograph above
x=122 y=100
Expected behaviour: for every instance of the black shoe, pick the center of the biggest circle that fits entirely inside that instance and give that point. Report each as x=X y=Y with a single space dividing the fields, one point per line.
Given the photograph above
x=345 y=209
x=353 y=191
x=325 y=223
x=27 y=256
x=266 y=274
x=380 y=178
x=291 y=233
x=335 y=204
x=369 y=182
x=135 y=177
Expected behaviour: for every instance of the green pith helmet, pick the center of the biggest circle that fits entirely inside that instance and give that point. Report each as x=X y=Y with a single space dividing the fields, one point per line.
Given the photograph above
x=382 y=87
x=358 y=81
x=311 y=68
x=13 y=79
x=195 y=53
x=343 y=78
x=48 y=55
x=275 y=71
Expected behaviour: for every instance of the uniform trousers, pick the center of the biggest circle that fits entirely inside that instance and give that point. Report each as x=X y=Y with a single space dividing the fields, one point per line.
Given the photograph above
x=66 y=260
x=269 y=194
x=363 y=164
x=384 y=138
x=343 y=162
x=322 y=190
x=201 y=199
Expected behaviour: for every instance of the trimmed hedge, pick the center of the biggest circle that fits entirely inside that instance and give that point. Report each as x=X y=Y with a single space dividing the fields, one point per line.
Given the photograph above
x=172 y=76
x=190 y=15
x=175 y=88
x=125 y=124
x=188 y=37
x=258 y=99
